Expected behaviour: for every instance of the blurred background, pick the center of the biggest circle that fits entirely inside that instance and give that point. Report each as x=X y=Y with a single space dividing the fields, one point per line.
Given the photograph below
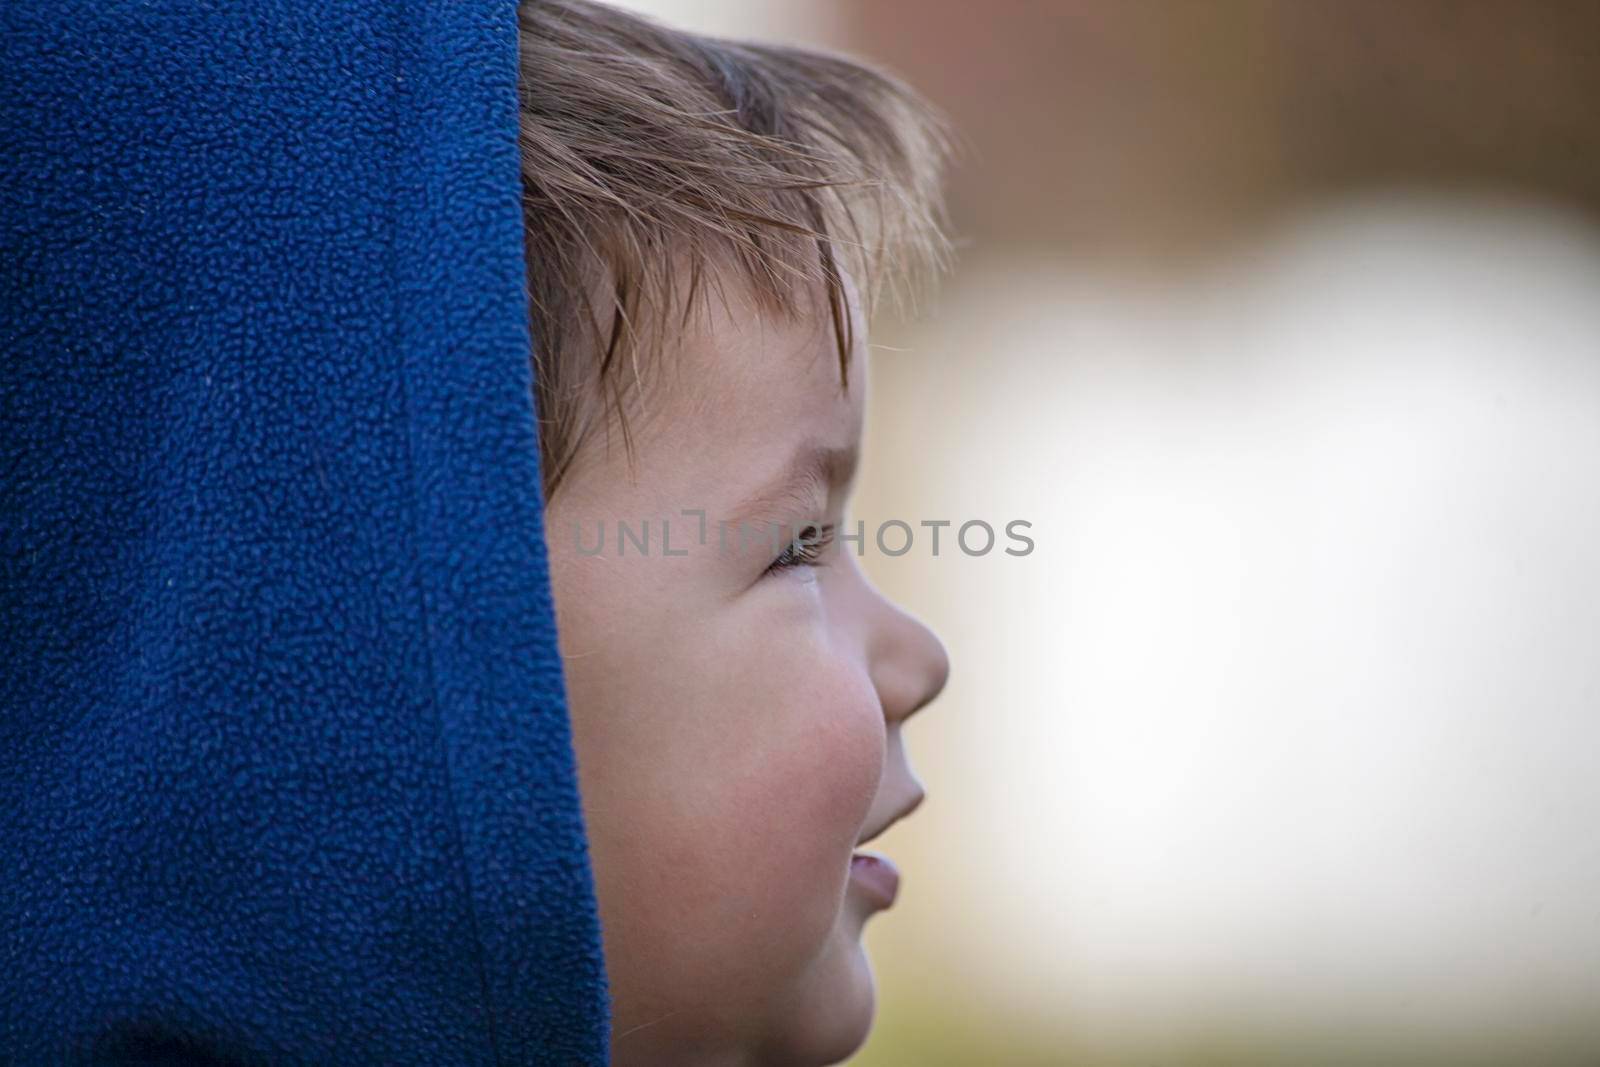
x=1280 y=323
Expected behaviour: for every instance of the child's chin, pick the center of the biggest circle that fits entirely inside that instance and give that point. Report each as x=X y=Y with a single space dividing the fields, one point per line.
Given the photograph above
x=834 y=1014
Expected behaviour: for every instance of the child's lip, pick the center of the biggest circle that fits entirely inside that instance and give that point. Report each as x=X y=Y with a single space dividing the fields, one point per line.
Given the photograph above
x=907 y=809
x=877 y=875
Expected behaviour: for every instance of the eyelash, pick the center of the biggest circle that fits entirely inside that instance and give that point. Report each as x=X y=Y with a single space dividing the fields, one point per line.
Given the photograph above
x=804 y=550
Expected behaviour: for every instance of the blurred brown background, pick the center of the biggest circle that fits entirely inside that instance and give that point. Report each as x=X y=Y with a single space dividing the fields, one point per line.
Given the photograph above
x=1157 y=123
x=1280 y=322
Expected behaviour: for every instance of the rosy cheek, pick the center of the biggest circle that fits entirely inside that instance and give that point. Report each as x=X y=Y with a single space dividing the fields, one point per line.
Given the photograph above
x=845 y=766
x=810 y=800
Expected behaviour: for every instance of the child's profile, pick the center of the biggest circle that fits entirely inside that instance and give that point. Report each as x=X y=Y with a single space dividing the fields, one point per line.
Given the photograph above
x=708 y=224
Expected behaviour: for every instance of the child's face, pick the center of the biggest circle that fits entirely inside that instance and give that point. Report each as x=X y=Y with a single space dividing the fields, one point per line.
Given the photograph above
x=737 y=729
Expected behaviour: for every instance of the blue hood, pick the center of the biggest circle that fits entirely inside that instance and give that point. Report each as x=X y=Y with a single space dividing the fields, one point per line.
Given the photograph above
x=286 y=773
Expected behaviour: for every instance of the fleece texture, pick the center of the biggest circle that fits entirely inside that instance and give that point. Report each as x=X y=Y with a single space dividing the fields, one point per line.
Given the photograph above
x=286 y=773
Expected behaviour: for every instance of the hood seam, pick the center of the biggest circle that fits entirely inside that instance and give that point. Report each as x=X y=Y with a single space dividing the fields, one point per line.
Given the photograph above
x=419 y=579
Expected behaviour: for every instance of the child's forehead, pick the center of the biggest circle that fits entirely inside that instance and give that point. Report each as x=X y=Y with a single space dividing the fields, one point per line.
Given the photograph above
x=725 y=391
x=737 y=362
x=740 y=394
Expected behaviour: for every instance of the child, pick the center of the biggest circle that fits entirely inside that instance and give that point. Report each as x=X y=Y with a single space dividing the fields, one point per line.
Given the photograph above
x=286 y=774
x=707 y=223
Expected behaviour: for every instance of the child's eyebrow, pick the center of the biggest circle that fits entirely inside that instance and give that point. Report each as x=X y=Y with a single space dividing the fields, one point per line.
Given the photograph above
x=811 y=466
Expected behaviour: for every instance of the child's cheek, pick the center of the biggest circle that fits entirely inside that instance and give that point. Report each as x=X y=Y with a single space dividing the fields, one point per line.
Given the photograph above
x=808 y=799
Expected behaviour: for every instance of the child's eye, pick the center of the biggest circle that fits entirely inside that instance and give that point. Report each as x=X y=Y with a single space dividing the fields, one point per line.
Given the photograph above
x=806 y=550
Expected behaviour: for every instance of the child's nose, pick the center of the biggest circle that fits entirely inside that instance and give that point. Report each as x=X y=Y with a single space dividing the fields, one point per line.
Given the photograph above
x=911 y=665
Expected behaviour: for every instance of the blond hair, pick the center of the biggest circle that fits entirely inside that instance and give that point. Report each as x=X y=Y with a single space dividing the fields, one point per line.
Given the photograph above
x=655 y=161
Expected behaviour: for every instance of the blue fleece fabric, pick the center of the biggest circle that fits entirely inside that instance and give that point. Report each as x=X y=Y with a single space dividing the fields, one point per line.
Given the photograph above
x=286 y=774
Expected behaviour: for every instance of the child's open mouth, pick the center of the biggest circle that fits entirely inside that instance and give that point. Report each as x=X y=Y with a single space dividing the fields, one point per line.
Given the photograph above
x=877 y=875
x=874 y=872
